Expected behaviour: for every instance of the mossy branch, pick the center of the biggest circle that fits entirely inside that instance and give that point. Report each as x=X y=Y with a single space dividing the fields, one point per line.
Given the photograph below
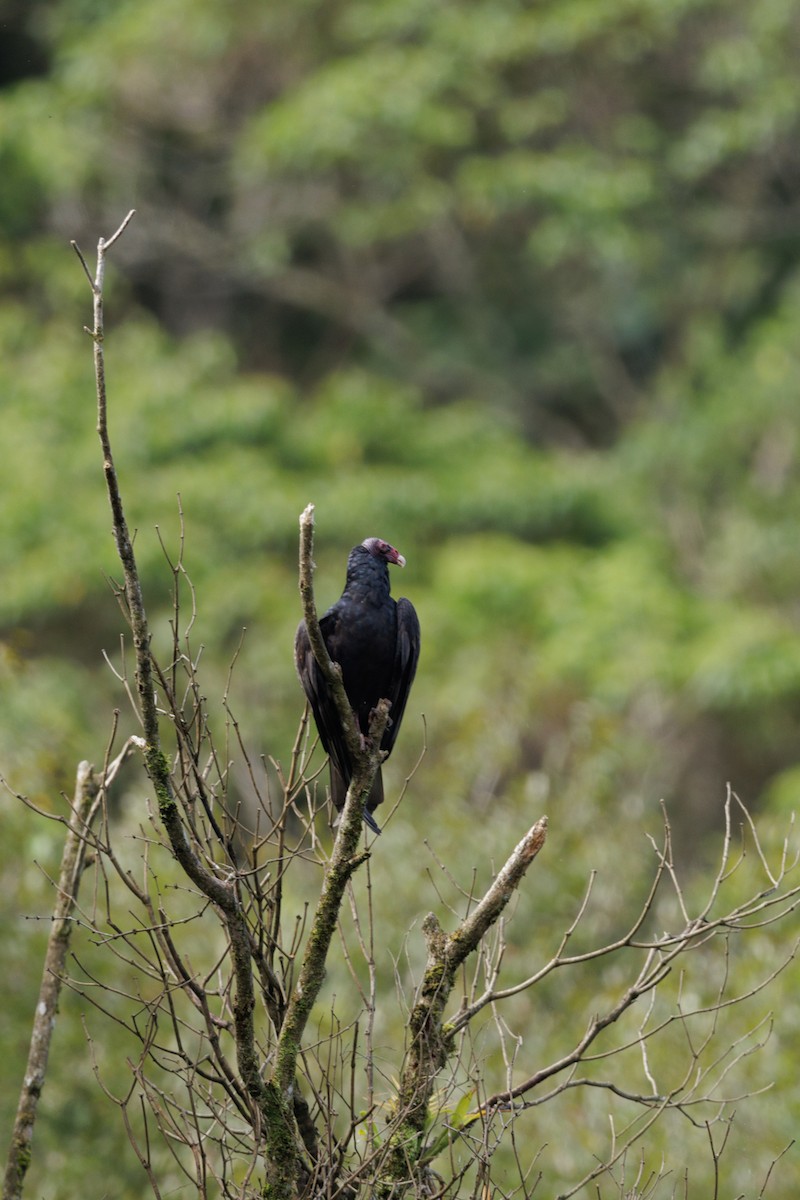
x=430 y=1037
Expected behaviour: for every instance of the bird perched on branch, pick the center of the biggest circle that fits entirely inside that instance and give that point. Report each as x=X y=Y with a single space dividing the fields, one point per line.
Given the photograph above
x=375 y=641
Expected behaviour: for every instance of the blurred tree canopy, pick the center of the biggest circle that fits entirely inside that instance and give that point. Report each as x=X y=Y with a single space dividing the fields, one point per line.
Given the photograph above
x=516 y=286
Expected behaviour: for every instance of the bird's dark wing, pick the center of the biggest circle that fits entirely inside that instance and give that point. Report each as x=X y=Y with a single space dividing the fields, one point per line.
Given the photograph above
x=405 y=667
x=323 y=707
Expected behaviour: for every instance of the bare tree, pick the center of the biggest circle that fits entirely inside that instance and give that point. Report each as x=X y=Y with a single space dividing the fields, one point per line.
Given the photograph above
x=245 y=1083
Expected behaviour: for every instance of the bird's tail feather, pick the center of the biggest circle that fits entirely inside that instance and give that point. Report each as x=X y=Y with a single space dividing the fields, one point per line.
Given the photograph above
x=339 y=787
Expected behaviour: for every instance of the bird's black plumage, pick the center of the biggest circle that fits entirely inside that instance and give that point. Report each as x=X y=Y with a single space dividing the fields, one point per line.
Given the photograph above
x=375 y=641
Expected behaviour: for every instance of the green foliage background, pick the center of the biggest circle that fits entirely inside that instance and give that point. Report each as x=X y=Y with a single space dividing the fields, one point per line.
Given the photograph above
x=515 y=286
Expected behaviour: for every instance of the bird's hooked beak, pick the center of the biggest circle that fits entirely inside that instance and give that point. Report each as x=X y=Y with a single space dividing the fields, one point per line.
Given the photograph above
x=381 y=549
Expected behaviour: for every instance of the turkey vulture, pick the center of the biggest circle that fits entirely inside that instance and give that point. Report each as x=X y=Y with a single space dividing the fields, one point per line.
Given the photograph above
x=375 y=641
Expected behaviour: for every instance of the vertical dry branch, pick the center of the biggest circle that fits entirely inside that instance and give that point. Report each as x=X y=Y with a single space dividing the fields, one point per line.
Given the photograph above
x=155 y=759
x=366 y=755
x=345 y=858
x=282 y=1153
x=72 y=863
x=331 y=671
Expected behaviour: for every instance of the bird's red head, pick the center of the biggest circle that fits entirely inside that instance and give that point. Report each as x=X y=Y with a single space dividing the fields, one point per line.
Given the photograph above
x=380 y=549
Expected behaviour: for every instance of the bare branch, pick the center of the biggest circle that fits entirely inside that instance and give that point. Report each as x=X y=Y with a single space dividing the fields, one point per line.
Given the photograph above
x=72 y=864
x=331 y=671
